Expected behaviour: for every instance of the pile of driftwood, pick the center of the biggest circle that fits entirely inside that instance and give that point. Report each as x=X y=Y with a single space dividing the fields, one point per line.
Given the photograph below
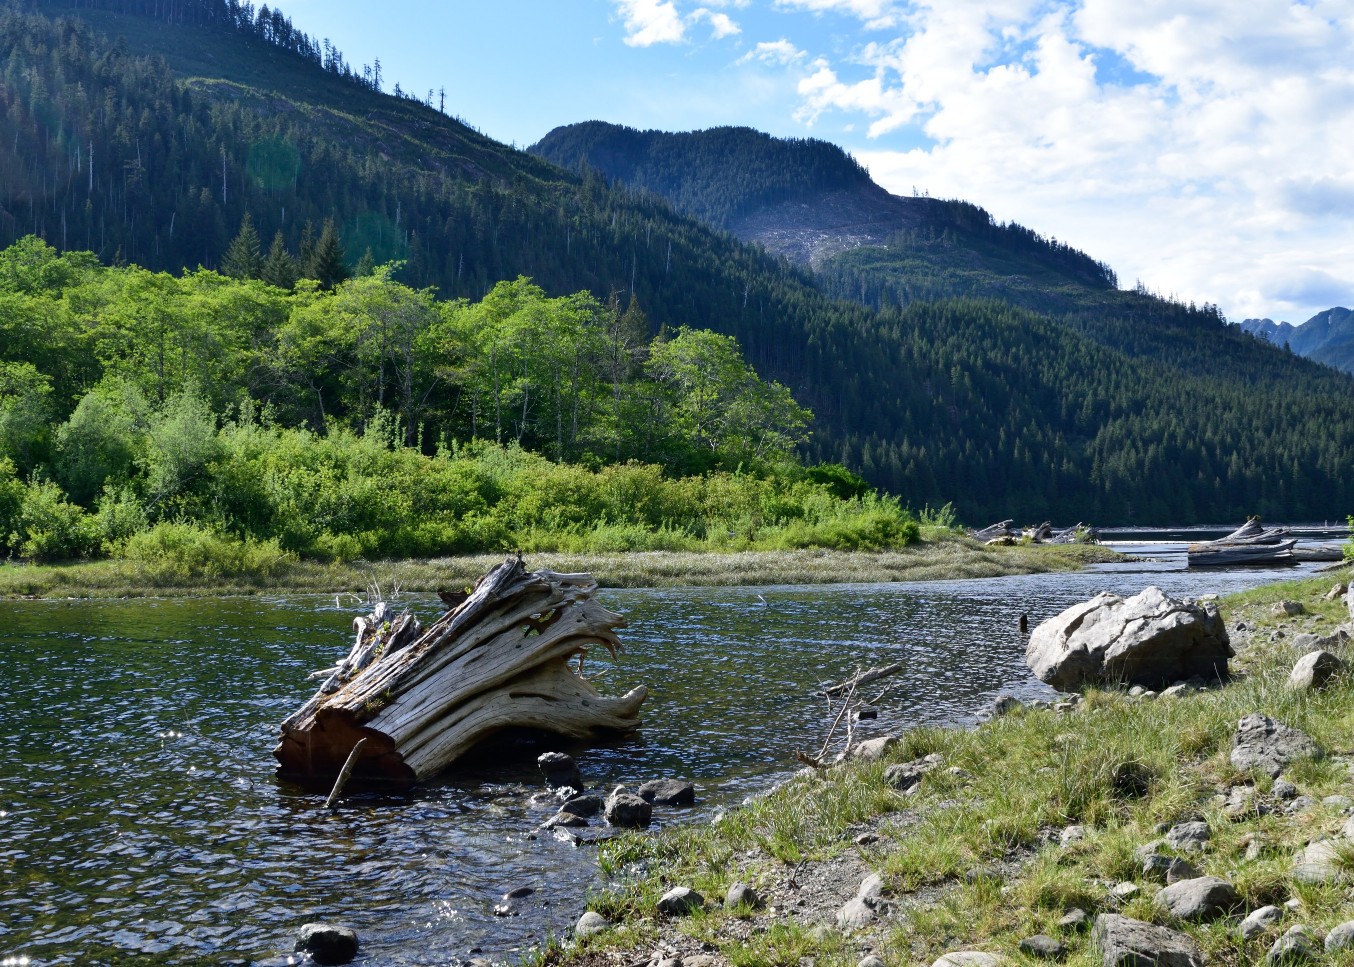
x=1250 y=543
x=409 y=701
x=1003 y=534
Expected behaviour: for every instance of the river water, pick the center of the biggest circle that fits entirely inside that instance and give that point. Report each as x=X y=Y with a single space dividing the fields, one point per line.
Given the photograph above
x=140 y=821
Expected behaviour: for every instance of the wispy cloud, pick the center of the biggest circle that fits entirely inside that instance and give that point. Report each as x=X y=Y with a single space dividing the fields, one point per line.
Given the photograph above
x=873 y=14
x=780 y=52
x=649 y=22
x=721 y=24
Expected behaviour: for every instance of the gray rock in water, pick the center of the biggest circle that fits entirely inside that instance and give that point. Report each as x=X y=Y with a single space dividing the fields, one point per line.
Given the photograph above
x=1258 y=921
x=628 y=810
x=1149 y=639
x=591 y=923
x=1125 y=942
x=680 y=901
x=1189 y=837
x=1313 y=670
x=1202 y=898
x=327 y=943
x=1341 y=937
x=1043 y=947
x=1267 y=746
x=562 y=819
x=586 y=805
x=668 y=792
x=742 y=895
x=1319 y=863
x=560 y=770
x=1297 y=946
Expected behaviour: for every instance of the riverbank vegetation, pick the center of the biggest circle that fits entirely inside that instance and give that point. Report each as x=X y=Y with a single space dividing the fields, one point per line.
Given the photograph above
x=941 y=556
x=218 y=427
x=980 y=856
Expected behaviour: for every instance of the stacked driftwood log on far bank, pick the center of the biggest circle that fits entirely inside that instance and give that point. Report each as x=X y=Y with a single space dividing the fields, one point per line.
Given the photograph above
x=1251 y=543
x=510 y=655
x=1002 y=534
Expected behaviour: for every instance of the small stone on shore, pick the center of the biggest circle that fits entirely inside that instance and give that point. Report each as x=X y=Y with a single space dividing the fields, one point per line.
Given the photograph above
x=1043 y=947
x=591 y=923
x=742 y=895
x=1258 y=921
x=680 y=901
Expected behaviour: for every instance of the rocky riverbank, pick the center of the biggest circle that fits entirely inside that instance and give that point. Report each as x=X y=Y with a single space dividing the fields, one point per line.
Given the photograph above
x=1195 y=825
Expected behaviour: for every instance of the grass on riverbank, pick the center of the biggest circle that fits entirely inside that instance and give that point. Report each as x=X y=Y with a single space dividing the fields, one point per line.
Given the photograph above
x=974 y=860
x=939 y=555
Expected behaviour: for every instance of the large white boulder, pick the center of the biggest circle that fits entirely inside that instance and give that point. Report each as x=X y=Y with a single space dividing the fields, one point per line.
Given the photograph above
x=1149 y=639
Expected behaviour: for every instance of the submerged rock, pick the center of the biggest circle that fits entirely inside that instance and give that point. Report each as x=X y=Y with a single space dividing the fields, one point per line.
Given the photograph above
x=327 y=943
x=668 y=792
x=1149 y=639
x=628 y=810
x=560 y=770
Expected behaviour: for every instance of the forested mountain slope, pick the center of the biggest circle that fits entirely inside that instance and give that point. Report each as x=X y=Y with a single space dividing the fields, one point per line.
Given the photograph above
x=1327 y=337
x=810 y=201
x=147 y=139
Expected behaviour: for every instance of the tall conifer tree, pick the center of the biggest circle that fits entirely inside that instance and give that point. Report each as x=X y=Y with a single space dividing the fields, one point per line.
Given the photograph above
x=327 y=263
x=242 y=259
x=279 y=268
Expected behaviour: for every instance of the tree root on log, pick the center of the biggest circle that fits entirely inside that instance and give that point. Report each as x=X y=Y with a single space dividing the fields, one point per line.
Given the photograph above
x=423 y=698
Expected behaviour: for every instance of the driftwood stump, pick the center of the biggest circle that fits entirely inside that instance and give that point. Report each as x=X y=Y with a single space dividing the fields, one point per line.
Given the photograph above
x=424 y=697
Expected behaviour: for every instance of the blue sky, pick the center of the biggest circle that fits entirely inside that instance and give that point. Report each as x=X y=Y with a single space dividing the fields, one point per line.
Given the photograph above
x=1200 y=146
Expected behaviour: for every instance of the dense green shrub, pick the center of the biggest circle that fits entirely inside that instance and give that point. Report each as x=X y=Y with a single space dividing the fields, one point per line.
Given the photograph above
x=48 y=527
x=176 y=551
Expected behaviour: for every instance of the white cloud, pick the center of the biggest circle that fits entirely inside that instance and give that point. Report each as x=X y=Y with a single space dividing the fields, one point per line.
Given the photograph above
x=1199 y=145
x=873 y=14
x=649 y=22
x=720 y=23
x=779 y=52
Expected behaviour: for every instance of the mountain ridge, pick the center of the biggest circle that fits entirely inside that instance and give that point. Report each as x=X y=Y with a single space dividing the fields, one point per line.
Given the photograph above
x=961 y=392
x=1327 y=337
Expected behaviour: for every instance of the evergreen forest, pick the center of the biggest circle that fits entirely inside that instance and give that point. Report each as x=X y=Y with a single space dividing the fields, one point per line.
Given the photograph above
x=215 y=222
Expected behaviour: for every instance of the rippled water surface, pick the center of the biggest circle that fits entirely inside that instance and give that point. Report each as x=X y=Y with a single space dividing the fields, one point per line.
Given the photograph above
x=139 y=818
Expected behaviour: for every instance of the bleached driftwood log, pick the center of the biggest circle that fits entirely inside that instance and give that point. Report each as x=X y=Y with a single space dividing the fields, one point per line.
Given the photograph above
x=423 y=698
